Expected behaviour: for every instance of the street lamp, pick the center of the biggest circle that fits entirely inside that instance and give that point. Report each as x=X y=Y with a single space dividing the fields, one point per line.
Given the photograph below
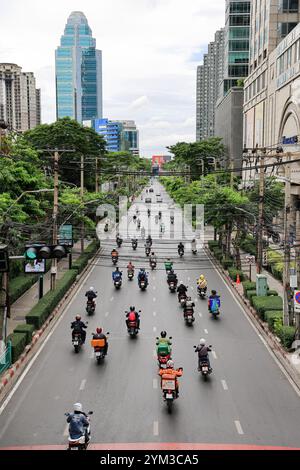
x=27 y=192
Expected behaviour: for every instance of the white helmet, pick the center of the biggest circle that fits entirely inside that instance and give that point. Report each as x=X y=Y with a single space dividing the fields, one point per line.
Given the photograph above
x=92 y=288
x=170 y=364
x=202 y=342
x=77 y=407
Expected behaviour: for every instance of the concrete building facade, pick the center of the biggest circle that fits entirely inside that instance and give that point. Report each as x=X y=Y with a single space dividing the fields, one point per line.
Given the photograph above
x=20 y=100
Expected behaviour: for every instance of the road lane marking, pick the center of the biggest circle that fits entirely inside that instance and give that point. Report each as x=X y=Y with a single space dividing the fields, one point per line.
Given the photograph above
x=154 y=329
x=66 y=431
x=224 y=384
x=155 y=428
x=154 y=314
x=196 y=300
x=82 y=385
x=200 y=315
x=154 y=299
x=111 y=299
x=92 y=355
x=214 y=354
x=155 y=383
x=154 y=354
x=239 y=427
x=154 y=287
x=192 y=288
x=189 y=278
x=205 y=331
x=106 y=314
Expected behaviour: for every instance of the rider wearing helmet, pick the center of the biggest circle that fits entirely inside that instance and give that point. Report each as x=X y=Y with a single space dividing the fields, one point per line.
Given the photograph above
x=202 y=283
x=214 y=302
x=114 y=253
x=203 y=351
x=153 y=258
x=91 y=294
x=78 y=327
x=194 y=245
x=189 y=305
x=133 y=316
x=100 y=335
x=162 y=342
x=168 y=265
x=117 y=274
x=181 y=289
x=170 y=372
x=130 y=267
x=172 y=277
x=78 y=423
x=180 y=247
x=142 y=276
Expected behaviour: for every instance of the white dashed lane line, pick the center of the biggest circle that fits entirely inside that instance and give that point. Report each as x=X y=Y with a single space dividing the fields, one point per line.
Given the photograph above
x=154 y=299
x=155 y=383
x=111 y=299
x=155 y=428
x=154 y=329
x=66 y=431
x=154 y=314
x=224 y=384
x=214 y=354
x=82 y=385
x=205 y=331
x=200 y=315
x=106 y=314
x=239 y=427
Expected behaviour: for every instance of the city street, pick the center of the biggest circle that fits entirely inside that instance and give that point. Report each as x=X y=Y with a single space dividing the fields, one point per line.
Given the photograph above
x=246 y=400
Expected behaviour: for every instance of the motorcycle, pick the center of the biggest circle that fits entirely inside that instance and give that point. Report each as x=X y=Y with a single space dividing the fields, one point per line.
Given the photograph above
x=143 y=285
x=119 y=242
x=90 y=307
x=189 y=316
x=114 y=259
x=147 y=250
x=172 y=286
x=153 y=265
x=168 y=386
x=118 y=283
x=81 y=443
x=77 y=341
x=182 y=300
x=215 y=313
x=162 y=359
x=181 y=253
x=130 y=275
x=132 y=329
x=204 y=368
x=99 y=348
x=201 y=292
x=172 y=221
x=134 y=245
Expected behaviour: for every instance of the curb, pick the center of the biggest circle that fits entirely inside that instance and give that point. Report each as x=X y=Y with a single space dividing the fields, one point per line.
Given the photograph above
x=273 y=343
x=8 y=375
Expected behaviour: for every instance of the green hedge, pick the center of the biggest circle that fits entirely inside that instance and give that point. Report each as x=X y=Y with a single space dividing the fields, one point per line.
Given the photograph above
x=19 y=285
x=249 y=245
x=83 y=259
x=213 y=244
x=233 y=272
x=227 y=263
x=27 y=329
x=286 y=334
x=272 y=292
x=248 y=285
x=250 y=294
x=40 y=312
x=271 y=316
x=264 y=303
x=18 y=343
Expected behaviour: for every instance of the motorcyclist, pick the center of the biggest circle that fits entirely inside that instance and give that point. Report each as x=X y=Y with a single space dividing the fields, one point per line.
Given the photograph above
x=91 y=294
x=138 y=223
x=130 y=267
x=78 y=327
x=142 y=276
x=117 y=274
x=149 y=212
x=114 y=253
x=149 y=240
x=180 y=247
x=153 y=258
x=143 y=232
x=214 y=301
x=106 y=227
x=147 y=247
x=164 y=340
x=189 y=305
x=202 y=283
x=159 y=214
x=133 y=316
x=119 y=240
x=181 y=289
x=194 y=245
x=100 y=335
x=172 y=219
x=168 y=265
x=156 y=219
x=134 y=241
x=172 y=277
x=170 y=371
x=203 y=351
x=78 y=423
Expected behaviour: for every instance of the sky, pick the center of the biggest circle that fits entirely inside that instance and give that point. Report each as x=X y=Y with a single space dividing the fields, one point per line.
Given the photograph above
x=151 y=49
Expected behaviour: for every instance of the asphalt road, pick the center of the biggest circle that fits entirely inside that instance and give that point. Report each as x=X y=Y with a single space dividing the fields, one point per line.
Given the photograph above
x=247 y=399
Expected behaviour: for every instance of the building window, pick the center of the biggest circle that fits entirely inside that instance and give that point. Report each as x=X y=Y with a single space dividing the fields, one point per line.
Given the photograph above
x=285 y=28
x=289 y=6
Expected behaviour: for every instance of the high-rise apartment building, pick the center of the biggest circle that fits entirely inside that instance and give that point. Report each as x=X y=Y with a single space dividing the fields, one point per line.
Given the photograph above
x=271 y=21
x=78 y=72
x=111 y=132
x=129 y=137
x=20 y=102
x=209 y=76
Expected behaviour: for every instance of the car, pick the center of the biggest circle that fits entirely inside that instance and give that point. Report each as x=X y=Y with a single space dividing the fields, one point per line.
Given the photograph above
x=148 y=200
x=158 y=194
x=151 y=190
x=159 y=199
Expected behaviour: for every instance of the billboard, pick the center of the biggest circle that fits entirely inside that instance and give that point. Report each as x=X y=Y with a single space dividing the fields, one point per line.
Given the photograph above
x=35 y=266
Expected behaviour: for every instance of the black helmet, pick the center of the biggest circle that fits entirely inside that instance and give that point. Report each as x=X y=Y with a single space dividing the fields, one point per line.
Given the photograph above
x=117 y=268
x=214 y=292
x=132 y=308
x=163 y=334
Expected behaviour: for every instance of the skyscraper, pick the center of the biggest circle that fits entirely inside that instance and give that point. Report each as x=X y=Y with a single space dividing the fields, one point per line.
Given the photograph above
x=209 y=76
x=78 y=72
x=20 y=105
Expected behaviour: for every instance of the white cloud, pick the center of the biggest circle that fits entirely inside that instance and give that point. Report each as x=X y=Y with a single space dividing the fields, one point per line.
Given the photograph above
x=149 y=49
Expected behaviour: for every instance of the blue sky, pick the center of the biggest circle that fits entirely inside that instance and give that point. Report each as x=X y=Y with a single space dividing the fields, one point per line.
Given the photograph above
x=151 y=49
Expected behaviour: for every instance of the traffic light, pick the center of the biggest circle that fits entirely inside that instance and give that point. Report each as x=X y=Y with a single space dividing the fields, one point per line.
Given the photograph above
x=4 y=259
x=38 y=251
x=265 y=258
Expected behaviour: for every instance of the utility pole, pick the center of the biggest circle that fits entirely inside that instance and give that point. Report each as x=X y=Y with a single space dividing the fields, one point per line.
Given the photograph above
x=55 y=214
x=259 y=256
x=287 y=320
x=81 y=196
x=231 y=167
x=97 y=177
x=297 y=252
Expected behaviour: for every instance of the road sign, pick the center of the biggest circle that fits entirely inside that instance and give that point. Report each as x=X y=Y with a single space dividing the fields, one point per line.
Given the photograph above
x=66 y=234
x=250 y=259
x=297 y=300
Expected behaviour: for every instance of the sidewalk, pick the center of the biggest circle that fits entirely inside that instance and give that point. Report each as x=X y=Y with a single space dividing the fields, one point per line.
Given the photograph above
x=30 y=298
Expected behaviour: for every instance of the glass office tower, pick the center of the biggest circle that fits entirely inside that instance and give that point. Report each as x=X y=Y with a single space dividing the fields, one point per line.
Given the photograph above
x=78 y=72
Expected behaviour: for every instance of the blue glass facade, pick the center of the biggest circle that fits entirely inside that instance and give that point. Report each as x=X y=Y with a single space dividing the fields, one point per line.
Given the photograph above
x=78 y=72
x=111 y=131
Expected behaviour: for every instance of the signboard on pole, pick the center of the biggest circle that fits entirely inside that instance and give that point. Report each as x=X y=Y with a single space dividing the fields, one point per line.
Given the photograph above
x=65 y=236
x=297 y=301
